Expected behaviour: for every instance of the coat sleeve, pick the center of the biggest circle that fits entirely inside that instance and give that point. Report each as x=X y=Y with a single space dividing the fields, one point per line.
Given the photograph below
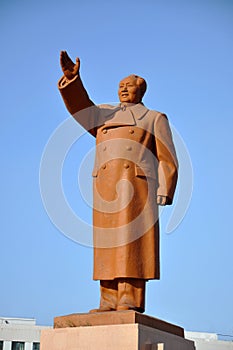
x=167 y=159
x=78 y=103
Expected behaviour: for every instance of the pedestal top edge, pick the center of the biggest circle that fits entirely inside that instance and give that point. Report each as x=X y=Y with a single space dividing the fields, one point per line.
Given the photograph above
x=116 y=317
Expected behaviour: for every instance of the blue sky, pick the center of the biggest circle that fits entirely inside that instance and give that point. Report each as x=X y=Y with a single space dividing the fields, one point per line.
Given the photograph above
x=184 y=50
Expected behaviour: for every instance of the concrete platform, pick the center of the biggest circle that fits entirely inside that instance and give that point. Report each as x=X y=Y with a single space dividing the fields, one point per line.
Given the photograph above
x=121 y=330
x=116 y=317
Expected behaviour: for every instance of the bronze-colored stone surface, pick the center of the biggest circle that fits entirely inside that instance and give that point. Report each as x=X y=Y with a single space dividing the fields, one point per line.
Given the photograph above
x=133 y=145
x=113 y=318
x=135 y=171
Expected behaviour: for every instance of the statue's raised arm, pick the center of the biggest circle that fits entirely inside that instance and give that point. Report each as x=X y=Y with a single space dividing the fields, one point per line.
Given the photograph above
x=74 y=94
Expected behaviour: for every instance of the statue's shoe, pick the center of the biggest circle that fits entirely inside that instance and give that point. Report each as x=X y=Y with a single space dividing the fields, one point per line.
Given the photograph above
x=128 y=307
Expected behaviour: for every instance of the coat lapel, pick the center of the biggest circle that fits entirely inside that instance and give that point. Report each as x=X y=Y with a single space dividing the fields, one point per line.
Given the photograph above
x=122 y=117
x=139 y=110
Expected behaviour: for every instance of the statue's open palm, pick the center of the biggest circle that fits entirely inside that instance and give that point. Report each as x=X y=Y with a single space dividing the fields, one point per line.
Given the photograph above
x=69 y=68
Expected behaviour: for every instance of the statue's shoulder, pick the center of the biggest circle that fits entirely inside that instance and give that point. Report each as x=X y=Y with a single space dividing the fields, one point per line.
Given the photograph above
x=112 y=106
x=157 y=114
x=107 y=110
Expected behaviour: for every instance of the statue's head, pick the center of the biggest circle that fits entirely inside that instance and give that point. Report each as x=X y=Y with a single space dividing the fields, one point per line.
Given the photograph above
x=132 y=89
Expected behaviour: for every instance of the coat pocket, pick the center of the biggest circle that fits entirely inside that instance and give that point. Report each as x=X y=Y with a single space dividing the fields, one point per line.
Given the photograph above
x=143 y=171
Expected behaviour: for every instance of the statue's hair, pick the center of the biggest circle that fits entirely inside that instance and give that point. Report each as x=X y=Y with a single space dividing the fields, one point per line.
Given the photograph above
x=140 y=82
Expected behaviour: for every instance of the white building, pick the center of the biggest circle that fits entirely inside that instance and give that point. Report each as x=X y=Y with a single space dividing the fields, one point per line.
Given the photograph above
x=19 y=334
x=208 y=341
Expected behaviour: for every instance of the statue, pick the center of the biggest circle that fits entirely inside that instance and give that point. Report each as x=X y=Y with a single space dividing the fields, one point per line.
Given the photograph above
x=135 y=171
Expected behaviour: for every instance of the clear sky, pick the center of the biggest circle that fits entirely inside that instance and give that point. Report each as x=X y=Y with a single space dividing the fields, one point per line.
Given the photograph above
x=184 y=50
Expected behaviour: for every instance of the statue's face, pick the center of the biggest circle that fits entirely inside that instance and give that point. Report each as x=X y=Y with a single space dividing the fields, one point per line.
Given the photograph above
x=129 y=91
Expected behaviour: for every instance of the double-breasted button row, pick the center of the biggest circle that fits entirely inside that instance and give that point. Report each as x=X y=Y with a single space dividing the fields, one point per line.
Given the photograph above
x=128 y=148
x=104 y=131
x=126 y=166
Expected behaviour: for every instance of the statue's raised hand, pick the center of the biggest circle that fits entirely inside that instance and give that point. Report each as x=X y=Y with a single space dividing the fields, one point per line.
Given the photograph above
x=69 y=68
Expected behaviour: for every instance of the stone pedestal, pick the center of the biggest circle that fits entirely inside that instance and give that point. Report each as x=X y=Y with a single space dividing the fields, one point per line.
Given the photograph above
x=121 y=330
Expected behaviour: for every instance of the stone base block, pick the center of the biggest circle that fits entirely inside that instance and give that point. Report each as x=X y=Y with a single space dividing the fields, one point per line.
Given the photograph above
x=112 y=337
x=122 y=330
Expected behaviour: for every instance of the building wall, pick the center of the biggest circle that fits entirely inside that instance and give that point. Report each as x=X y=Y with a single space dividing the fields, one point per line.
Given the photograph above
x=208 y=341
x=19 y=330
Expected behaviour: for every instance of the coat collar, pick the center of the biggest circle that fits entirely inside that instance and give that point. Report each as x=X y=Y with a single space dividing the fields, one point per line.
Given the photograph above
x=127 y=114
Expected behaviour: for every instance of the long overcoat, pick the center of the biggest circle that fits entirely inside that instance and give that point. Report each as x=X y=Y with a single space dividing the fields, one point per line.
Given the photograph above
x=135 y=162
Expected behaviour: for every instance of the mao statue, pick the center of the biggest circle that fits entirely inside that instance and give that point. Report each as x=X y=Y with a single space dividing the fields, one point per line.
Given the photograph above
x=135 y=171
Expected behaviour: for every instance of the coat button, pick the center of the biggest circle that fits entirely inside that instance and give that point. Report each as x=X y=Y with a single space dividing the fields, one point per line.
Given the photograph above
x=126 y=165
x=131 y=131
x=104 y=131
x=129 y=148
x=104 y=166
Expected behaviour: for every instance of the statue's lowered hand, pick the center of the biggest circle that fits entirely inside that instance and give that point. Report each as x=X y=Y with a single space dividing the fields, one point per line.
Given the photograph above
x=69 y=68
x=162 y=200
